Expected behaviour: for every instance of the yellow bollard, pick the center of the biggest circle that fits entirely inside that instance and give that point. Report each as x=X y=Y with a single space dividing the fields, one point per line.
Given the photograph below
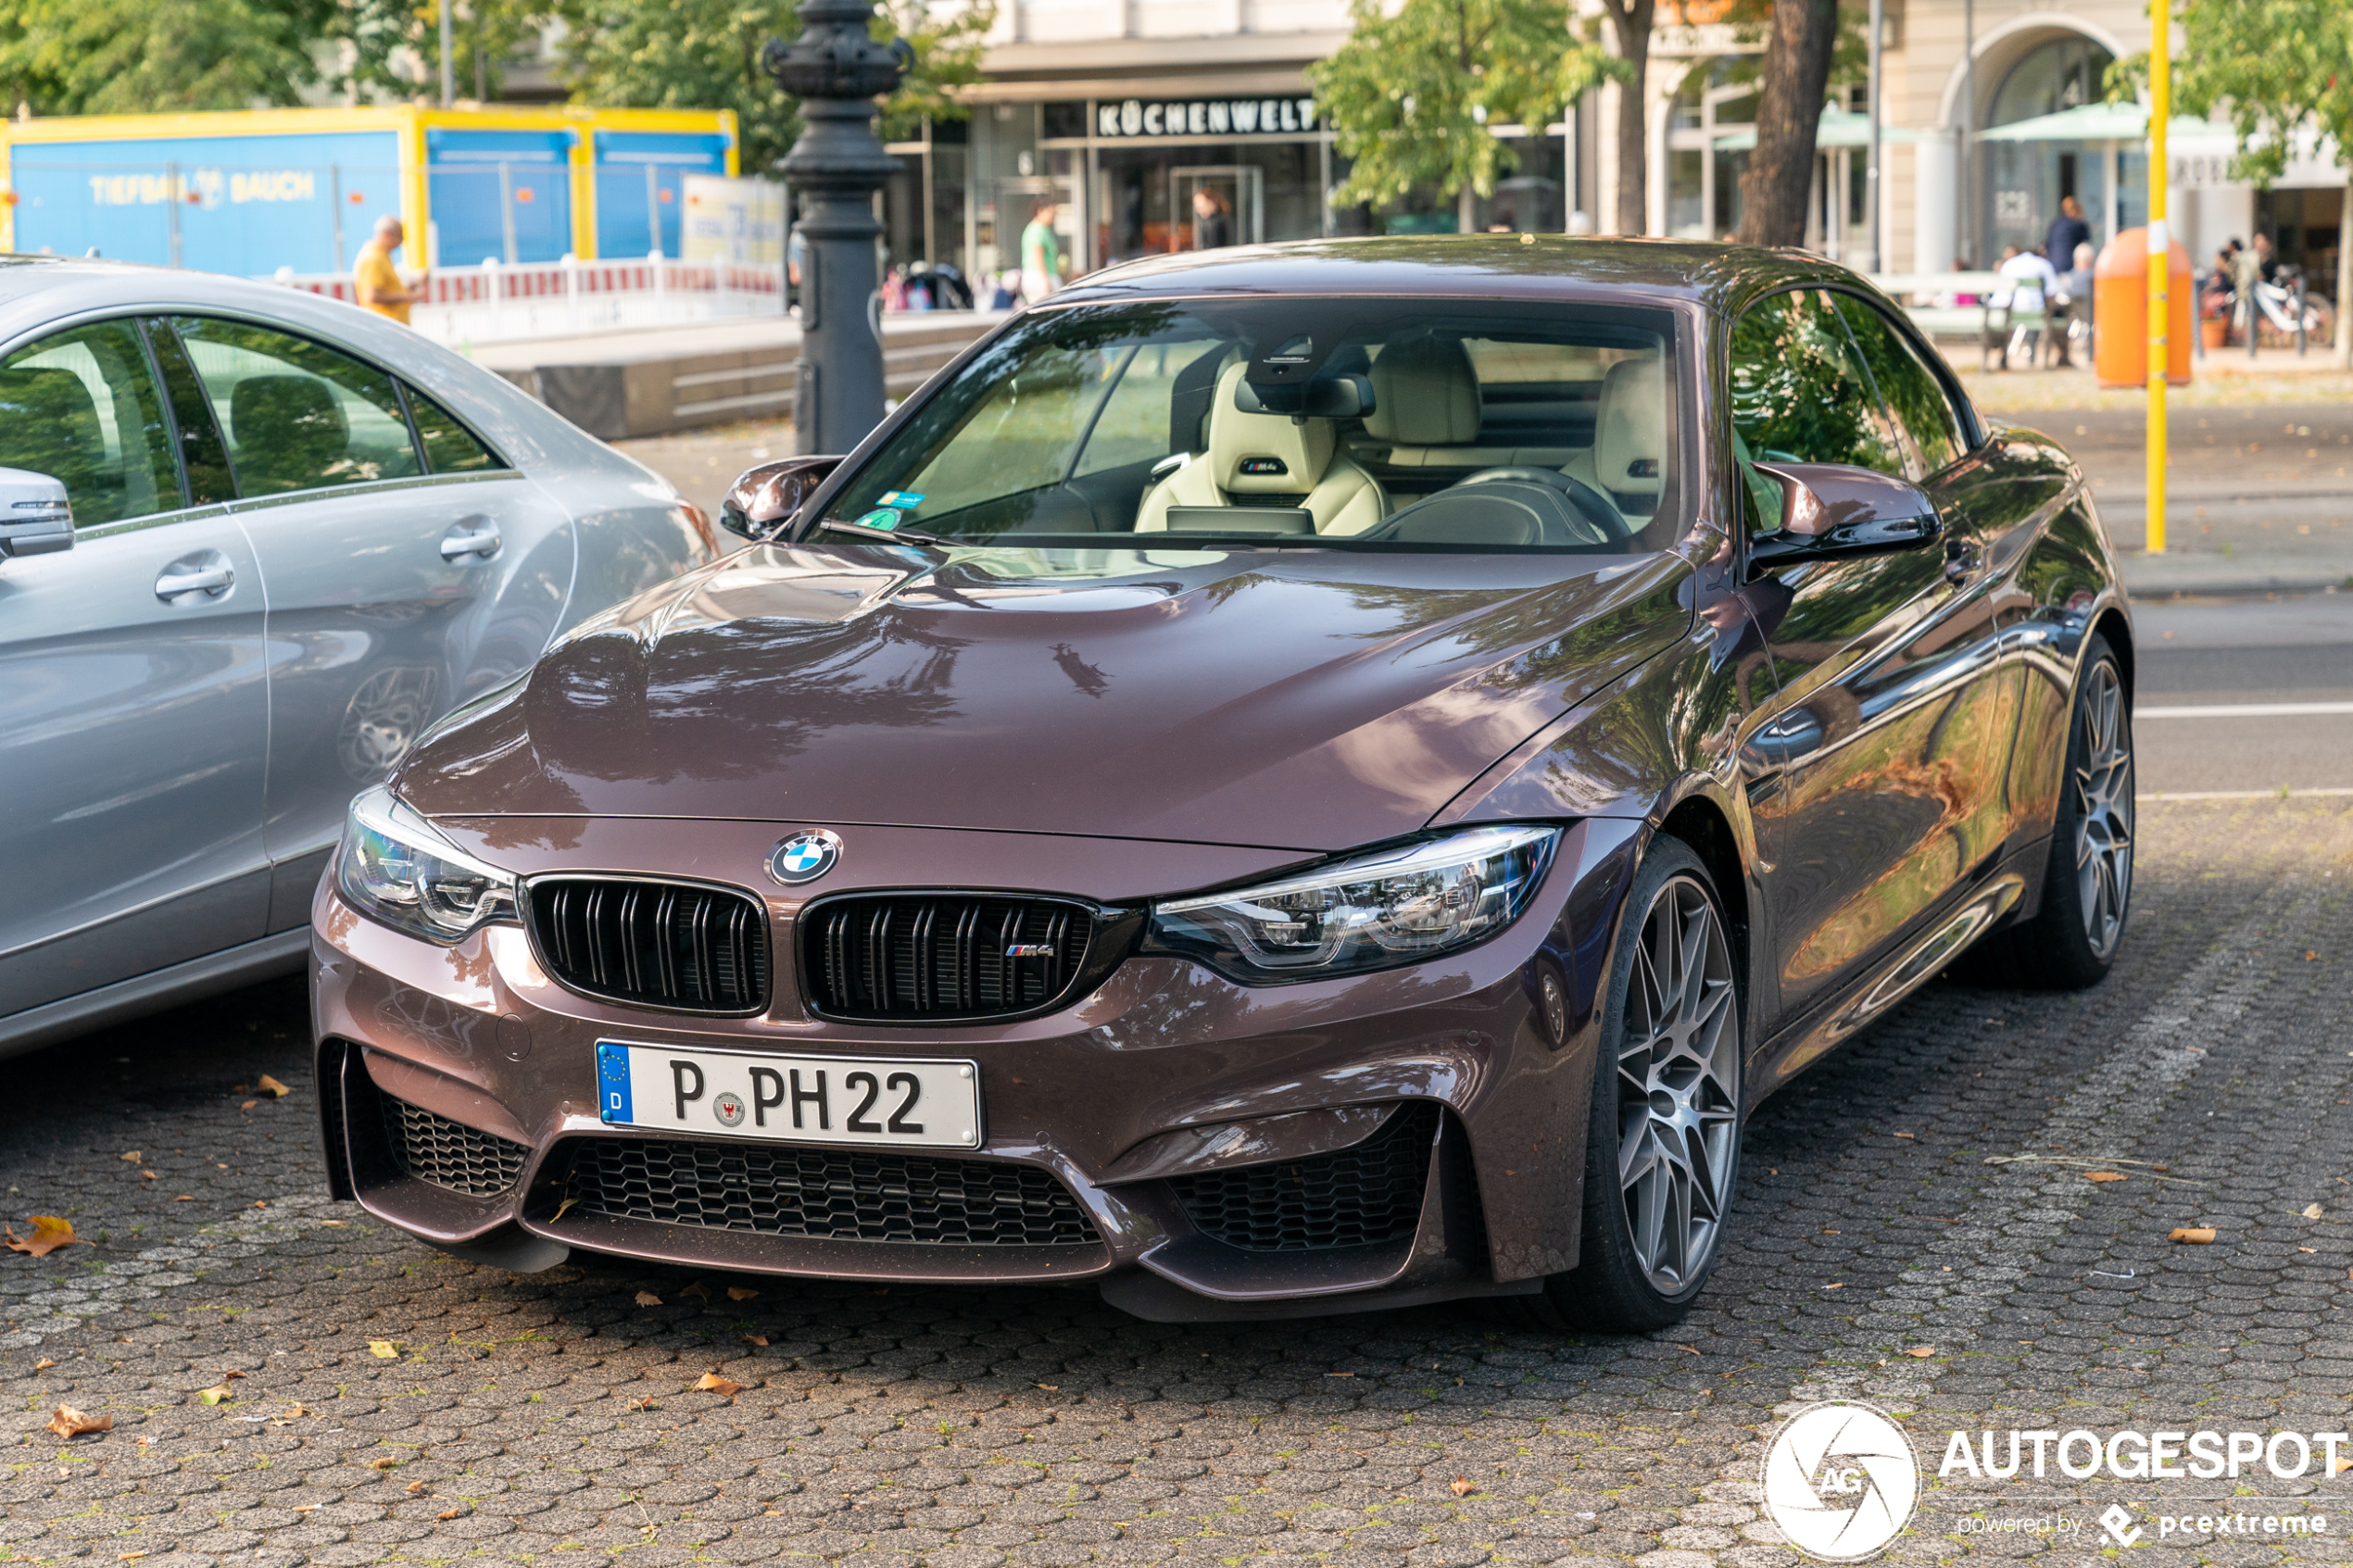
x=2161 y=249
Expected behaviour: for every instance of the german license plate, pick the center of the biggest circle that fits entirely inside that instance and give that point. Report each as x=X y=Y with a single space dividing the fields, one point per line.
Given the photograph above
x=832 y=1100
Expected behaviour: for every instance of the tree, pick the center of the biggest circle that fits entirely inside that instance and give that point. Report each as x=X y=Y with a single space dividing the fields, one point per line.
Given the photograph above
x=133 y=57
x=396 y=44
x=1410 y=95
x=1629 y=22
x=705 y=55
x=2280 y=69
x=1799 y=41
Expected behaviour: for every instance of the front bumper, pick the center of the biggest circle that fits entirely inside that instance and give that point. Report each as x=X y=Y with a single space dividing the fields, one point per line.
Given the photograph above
x=1132 y=1107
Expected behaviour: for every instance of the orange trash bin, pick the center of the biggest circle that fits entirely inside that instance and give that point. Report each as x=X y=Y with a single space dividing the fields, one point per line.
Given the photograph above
x=2120 y=312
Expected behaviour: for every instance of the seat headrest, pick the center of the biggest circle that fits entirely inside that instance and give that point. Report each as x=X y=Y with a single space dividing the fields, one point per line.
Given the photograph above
x=1630 y=430
x=288 y=421
x=1263 y=454
x=1425 y=394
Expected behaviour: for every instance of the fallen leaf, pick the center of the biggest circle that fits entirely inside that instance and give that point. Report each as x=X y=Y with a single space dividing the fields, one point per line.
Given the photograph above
x=230 y=1377
x=644 y=1402
x=415 y=1486
x=2194 y=1236
x=740 y=1293
x=1906 y=1135
x=382 y=1350
x=755 y=1339
x=711 y=1383
x=272 y=1087
x=68 y=1422
x=561 y=1207
x=2310 y=955
x=1692 y=1348
x=1049 y=1387
x=241 y=1089
x=1922 y=1351
x=1340 y=1374
x=1463 y=1487
x=129 y=1155
x=2343 y=1465
x=2308 y=1249
x=293 y=1412
x=647 y=1299
x=261 y=1203
x=334 y=1224
x=149 y=1176
x=2311 y=1210
x=698 y=1290
x=214 y=1394
x=49 y=1232
x=129 y=1556
x=185 y=1198
x=385 y=1463
x=249 y=1105
x=2105 y=1176
x=45 y=1364
x=1835 y=1285
x=447 y=1513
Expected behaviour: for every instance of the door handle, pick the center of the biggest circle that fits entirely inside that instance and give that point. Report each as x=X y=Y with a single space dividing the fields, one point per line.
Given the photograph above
x=206 y=572
x=476 y=537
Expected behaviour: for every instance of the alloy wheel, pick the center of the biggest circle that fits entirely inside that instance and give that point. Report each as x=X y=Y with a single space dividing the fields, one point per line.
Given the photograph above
x=2103 y=785
x=1679 y=1076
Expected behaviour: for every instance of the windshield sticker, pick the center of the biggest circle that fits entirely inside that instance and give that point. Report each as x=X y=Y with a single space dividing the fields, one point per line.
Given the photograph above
x=884 y=518
x=905 y=498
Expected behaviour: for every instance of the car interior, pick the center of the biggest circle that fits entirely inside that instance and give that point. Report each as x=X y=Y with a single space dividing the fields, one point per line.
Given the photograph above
x=1441 y=433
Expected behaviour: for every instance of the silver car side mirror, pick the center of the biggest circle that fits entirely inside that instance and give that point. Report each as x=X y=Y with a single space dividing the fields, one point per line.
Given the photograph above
x=36 y=517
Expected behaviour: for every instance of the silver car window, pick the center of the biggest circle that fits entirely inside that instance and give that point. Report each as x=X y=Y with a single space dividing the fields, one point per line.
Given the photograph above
x=82 y=407
x=298 y=415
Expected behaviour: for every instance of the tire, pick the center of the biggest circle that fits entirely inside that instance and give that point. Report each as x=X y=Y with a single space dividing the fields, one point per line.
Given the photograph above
x=1660 y=1166
x=2087 y=886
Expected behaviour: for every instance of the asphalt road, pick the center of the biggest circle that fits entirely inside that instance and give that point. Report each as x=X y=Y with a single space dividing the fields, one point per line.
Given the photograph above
x=1874 y=1252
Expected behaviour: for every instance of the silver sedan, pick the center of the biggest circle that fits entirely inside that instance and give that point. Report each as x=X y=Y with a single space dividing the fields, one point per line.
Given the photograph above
x=299 y=533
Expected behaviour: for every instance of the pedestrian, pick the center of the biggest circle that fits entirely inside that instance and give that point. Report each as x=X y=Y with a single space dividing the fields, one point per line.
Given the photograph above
x=1212 y=228
x=2067 y=230
x=2031 y=284
x=376 y=282
x=1042 y=256
x=1006 y=294
x=2074 y=302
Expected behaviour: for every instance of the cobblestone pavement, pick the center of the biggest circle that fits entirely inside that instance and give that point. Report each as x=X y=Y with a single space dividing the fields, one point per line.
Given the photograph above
x=518 y=1418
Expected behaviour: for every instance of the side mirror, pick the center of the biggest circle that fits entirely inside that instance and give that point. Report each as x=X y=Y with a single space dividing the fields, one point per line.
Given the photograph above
x=1832 y=512
x=36 y=517
x=763 y=499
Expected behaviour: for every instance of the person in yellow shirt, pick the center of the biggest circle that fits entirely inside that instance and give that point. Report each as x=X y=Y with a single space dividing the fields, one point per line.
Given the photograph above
x=377 y=281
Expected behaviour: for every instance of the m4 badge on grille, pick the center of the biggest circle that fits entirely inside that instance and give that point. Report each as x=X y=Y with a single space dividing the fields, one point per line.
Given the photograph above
x=1031 y=950
x=804 y=857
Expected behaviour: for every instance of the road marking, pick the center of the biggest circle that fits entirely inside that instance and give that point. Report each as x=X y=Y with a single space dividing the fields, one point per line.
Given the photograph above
x=2247 y=710
x=2246 y=794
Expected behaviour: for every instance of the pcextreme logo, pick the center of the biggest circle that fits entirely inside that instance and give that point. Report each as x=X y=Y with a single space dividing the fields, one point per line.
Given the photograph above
x=1841 y=1481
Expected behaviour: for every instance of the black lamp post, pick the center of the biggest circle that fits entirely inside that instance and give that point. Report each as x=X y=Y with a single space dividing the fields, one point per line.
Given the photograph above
x=836 y=70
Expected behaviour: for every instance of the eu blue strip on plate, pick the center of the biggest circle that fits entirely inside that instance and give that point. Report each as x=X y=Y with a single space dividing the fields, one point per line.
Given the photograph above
x=612 y=1081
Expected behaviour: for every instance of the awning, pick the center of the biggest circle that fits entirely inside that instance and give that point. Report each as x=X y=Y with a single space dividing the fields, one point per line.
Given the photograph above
x=1840 y=128
x=2103 y=122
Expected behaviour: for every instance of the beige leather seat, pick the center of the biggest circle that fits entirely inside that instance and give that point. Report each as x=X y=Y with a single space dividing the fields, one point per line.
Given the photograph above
x=1287 y=461
x=1629 y=454
x=1424 y=396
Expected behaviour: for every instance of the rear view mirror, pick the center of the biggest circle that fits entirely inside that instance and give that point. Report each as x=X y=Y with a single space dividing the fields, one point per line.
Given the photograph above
x=35 y=517
x=1831 y=511
x=763 y=499
x=1326 y=397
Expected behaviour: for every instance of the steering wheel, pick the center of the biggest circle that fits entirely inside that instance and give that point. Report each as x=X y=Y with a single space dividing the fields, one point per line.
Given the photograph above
x=1589 y=503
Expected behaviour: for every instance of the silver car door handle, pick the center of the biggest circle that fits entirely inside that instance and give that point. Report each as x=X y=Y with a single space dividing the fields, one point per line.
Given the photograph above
x=180 y=579
x=481 y=541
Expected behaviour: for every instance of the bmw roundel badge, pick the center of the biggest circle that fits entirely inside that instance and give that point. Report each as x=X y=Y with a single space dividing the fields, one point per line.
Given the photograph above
x=804 y=857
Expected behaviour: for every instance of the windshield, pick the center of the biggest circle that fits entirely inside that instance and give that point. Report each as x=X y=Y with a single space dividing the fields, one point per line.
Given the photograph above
x=1359 y=423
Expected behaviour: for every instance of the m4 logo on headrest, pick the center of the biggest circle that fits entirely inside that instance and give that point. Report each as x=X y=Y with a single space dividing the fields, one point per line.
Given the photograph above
x=1263 y=465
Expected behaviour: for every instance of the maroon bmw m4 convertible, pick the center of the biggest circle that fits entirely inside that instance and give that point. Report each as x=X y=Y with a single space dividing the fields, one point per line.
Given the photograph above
x=1308 y=779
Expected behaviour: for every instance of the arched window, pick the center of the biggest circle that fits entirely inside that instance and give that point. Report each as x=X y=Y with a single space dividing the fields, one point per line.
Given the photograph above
x=2025 y=181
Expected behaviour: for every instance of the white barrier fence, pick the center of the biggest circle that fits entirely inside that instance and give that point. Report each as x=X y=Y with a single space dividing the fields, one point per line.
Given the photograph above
x=496 y=302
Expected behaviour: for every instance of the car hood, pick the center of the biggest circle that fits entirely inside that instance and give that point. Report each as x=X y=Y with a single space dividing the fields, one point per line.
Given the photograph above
x=1290 y=698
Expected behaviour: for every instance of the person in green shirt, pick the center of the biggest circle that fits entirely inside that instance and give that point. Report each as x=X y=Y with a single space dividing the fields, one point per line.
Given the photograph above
x=1042 y=256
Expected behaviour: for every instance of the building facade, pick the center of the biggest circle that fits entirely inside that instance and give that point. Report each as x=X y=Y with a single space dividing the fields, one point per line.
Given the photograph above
x=1116 y=111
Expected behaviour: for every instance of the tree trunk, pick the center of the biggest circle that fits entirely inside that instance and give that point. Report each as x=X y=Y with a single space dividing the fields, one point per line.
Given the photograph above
x=1789 y=113
x=1630 y=22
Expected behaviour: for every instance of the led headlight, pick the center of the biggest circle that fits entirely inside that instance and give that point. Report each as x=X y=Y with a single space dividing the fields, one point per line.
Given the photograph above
x=393 y=867
x=1379 y=910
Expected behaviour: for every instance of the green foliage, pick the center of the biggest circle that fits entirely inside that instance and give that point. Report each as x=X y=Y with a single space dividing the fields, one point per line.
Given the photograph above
x=2276 y=67
x=1410 y=95
x=130 y=56
x=947 y=55
x=483 y=35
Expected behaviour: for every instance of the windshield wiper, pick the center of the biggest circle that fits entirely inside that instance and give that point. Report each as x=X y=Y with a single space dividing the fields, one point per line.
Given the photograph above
x=889 y=536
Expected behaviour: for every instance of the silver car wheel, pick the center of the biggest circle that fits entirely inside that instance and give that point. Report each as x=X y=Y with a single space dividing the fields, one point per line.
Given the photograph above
x=1678 y=1077
x=2103 y=785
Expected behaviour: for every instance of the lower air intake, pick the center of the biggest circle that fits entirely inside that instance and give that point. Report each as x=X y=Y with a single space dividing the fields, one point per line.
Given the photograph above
x=1357 y=1197
x=449 y=1154
x=831 y=1194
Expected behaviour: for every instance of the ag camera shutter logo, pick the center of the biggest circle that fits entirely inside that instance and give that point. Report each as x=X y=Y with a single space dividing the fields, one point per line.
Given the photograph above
x=1841 y=1481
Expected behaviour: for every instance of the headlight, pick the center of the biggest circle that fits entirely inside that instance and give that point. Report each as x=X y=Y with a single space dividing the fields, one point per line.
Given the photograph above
x=1392 y=906
x=395 y=868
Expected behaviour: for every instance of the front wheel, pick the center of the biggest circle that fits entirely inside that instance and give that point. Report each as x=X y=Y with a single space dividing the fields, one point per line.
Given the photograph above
x=1662 y=1147
x=2087 y=887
